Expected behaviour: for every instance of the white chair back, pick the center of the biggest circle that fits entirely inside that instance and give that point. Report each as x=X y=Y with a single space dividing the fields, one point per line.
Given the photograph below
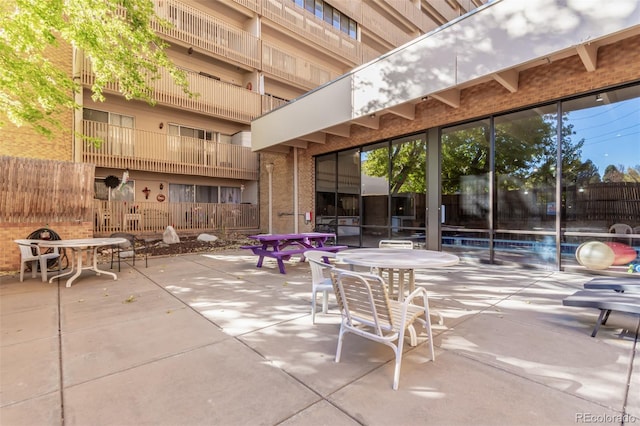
x=321 y=281
x=396 y=244
x=367 y=311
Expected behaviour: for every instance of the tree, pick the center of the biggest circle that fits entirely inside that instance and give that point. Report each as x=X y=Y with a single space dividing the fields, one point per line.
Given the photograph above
x=407 y=165
x=115 y=35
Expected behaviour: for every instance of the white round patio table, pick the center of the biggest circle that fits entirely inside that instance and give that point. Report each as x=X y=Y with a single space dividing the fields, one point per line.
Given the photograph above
x=90 y=245
x=403 y=260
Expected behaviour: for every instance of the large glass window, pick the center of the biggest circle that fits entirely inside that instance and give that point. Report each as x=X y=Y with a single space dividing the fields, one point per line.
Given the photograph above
x=499 y=177
x=374 y=177
x=348 y=197
x=601 y=177
x=326 y=215
x=407 y=186
x=525 y=185
x=465 y=159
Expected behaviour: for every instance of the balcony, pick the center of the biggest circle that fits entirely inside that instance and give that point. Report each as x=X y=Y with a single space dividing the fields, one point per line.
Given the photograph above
x=213 y=97
x=205 y=32
x=153 y=218
x=134 y=149
x=278 y=62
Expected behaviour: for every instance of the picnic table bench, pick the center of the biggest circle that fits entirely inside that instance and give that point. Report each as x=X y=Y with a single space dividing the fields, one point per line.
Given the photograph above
x=282 y=246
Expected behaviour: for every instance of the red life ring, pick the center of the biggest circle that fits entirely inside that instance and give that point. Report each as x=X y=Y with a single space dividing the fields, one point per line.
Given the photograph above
x=160 y=197
x=249 y=86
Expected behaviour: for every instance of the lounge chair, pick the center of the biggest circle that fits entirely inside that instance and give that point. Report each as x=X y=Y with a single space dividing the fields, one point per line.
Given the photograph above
x=605 y=300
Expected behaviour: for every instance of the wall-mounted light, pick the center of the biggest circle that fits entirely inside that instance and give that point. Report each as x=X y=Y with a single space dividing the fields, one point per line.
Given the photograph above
x=161 y=187
x=372 y=116
x=161 y=125
x=599 y=98
x=190 y=50
x=424 y=98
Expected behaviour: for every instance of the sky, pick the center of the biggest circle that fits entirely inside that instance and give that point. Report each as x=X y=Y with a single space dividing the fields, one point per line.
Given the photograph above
x=611 y=133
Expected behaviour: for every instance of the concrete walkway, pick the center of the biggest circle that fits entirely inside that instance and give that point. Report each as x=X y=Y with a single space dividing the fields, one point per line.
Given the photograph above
x=209 y=339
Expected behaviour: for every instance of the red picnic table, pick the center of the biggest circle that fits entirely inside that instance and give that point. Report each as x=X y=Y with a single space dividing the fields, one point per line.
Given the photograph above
x=282 y=246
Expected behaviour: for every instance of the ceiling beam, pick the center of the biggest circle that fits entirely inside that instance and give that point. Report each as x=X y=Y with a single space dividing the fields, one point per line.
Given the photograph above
x=317 y=137
x=297 y=143
x=277 y=149
x=343 y=130
x=589 y=55
x=509 y=79
x=407 y=111
x=449 y=97
x=370 y=121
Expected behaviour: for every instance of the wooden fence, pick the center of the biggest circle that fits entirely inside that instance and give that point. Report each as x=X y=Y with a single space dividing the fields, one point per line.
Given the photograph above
x=33 y=190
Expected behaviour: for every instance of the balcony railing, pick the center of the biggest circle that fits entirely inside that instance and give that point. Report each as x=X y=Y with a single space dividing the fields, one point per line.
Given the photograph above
x=206 y=32
x=281 y=63
x=153 y=218
x=213 y=97
x=134 y=149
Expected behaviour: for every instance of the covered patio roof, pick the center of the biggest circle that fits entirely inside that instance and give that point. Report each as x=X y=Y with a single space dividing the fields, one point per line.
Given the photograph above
x=494 y=42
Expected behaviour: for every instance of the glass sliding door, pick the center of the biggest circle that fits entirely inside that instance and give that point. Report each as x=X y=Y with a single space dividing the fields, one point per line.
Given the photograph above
x=347 y=205
x=326 y=215
x=525 y=186
x=374 y=175
x=601 y=181
x=465 y=171
x=407 y=187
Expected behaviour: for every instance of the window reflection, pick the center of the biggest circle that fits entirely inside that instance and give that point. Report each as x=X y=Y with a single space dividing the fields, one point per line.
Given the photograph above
x=525 y=170
x=465 y=175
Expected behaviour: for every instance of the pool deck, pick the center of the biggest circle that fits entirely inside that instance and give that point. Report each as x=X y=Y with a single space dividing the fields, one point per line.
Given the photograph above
x=209 y=339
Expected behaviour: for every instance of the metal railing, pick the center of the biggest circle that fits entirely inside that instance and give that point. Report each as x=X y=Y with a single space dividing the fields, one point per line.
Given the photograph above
x=153 y=218
x=135 y=149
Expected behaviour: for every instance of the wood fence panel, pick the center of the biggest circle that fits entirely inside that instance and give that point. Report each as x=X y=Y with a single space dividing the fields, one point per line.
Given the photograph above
x=34 y=190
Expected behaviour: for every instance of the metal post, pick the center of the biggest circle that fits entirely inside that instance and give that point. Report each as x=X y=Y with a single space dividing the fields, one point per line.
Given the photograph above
x=269 y=167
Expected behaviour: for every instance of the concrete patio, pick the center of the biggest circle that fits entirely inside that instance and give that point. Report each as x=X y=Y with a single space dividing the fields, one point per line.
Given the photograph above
x=209 y=339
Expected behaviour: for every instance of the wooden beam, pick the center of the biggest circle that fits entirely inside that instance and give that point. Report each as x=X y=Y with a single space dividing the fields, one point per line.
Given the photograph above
x=407 y=111
x=371 y=121
x=589 y=55
x=343 y=130
x=317 y=137
x=297 y=143
x=449 y=97
x=277 y=149
x=509 y=79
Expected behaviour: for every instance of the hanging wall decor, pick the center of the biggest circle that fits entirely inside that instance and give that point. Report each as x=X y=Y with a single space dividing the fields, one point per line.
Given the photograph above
x=112 y=181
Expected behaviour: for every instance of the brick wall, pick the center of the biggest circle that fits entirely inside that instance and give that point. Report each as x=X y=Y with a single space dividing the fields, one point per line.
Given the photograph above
x=25 y=142
x=9 y=252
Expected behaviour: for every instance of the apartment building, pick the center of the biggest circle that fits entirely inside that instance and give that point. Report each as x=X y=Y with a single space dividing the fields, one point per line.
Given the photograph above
x=509 y=135
x=188 y=161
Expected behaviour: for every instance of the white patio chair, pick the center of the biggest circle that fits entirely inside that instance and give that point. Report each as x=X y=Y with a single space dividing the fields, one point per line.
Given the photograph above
x=391 y=273
x=320 y=278
x=368 y=312
x=621 y=228
x=30 y=252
